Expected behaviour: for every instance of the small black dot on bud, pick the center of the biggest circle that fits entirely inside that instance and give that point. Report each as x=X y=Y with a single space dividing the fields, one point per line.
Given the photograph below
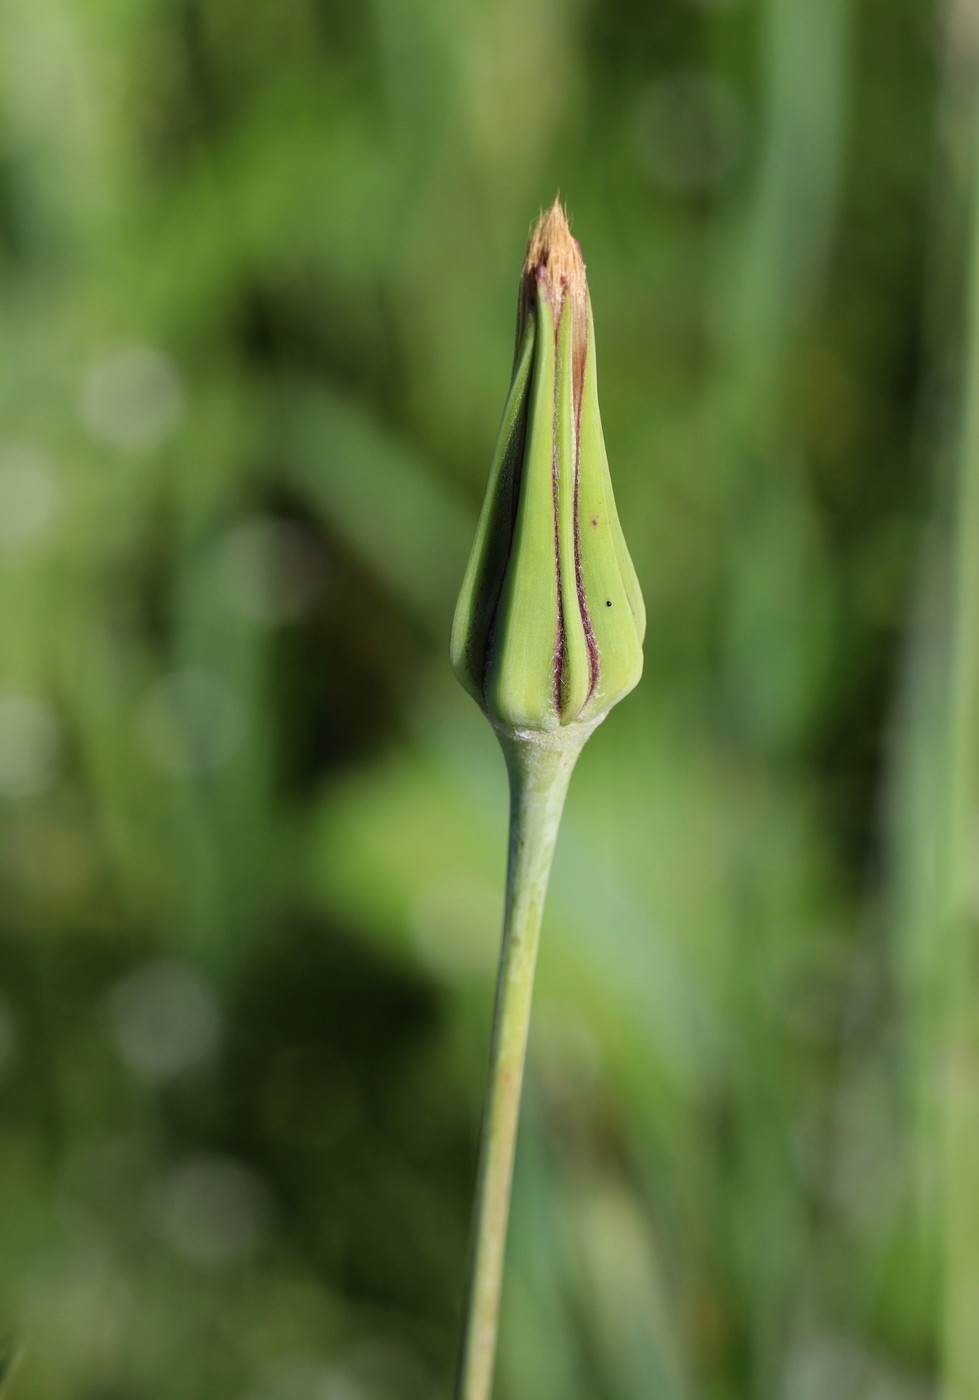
x=608 y=602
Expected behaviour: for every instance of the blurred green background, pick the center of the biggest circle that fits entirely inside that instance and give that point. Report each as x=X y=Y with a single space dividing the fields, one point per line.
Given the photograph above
x=259 y=266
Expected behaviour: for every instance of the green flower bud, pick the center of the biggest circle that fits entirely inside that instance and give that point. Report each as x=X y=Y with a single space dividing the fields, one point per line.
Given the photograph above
x=549 y=625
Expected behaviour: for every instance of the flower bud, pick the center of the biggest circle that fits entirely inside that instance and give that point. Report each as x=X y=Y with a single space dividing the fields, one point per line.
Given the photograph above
x=549 y=625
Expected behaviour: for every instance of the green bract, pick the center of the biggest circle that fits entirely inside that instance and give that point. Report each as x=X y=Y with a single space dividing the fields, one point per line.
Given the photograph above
x=549 y=625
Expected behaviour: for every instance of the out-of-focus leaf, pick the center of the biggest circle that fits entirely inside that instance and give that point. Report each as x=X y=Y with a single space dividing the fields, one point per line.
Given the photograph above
x=405 y=524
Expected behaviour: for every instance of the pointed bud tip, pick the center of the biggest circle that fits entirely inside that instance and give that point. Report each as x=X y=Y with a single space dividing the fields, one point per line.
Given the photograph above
x=554 y=256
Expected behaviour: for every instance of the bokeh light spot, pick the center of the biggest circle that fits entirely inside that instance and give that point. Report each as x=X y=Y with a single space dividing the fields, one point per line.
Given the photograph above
x=30 y=746
x=302 y=1377
x=164 y=1019
x=212 y=1210
x=132 y=397
x=30 y=496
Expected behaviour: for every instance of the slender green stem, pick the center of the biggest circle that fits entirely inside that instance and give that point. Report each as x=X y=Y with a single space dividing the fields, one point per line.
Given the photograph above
x=540 y=767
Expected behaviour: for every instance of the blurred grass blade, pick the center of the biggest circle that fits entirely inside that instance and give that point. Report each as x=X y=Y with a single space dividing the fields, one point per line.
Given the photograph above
x=938 y=815
x=382 y=499
x=958 y=924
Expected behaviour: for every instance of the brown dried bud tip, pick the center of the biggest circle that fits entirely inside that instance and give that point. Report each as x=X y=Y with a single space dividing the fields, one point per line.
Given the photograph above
x=554 y=259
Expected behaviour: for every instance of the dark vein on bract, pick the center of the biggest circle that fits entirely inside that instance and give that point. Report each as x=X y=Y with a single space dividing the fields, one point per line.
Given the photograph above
x=578 y=392
x=555 y=419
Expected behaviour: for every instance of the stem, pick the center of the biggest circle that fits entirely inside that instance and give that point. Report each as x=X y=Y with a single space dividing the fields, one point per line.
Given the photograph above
x=540 y=767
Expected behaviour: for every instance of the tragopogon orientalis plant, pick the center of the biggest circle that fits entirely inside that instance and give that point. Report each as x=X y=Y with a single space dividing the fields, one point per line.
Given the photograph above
x=547 y=638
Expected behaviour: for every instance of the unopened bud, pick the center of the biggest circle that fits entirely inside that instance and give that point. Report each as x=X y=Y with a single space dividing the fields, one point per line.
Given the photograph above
x=549 y=625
